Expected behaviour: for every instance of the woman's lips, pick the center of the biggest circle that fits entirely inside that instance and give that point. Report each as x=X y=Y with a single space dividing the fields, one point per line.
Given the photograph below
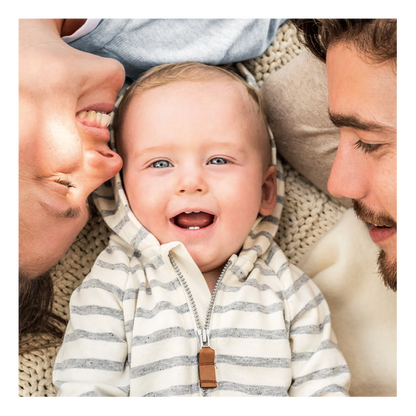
x=95 y=122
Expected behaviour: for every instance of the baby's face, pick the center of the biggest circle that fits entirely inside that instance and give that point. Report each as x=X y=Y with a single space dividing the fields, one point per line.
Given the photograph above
x=193 y=171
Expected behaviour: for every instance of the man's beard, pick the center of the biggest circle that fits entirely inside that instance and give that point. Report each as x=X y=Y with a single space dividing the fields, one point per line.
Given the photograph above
x=387 y=270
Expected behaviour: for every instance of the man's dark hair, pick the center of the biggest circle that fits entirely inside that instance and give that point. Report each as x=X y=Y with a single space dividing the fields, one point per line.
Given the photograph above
x=376 y=39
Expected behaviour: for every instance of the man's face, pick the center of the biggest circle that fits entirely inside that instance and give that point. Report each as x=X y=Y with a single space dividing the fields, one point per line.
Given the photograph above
x=362 y=103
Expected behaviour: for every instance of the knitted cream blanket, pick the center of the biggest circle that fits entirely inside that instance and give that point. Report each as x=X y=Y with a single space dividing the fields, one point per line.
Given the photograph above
x=307 y=215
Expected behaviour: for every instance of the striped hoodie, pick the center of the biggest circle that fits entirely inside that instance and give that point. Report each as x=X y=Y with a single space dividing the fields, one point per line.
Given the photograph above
x=140 y=318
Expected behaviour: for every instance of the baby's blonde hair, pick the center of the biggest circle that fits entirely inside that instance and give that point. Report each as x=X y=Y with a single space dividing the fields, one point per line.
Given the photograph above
x=190 y=72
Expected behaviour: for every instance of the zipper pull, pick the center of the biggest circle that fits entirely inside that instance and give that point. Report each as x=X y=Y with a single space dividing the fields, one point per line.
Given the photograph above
x=204 y=337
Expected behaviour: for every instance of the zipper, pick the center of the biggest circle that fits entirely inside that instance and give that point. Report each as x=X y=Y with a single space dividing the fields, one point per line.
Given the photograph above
x=203 y=332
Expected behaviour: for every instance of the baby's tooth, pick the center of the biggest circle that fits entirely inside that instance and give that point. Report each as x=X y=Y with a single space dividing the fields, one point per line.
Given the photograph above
x=98 y=117
x=105 y=120
x=188 y=212
x=91 y=115
x=82 y=114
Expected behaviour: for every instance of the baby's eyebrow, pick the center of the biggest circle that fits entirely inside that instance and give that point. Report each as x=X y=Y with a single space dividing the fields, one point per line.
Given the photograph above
x=156 y=149
x=161 y=149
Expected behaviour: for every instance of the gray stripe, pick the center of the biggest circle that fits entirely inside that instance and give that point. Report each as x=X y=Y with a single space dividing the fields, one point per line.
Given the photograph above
x=261 y=233
x=93 y=336
x=89 y=394
x=249 y=282
x=321 y=374
x=161 y=365
x=297 y=284
x=249 y=333
x=121 y=224
x=253 y=361
x=314 y=303
x=90 y=364
x=155 y=264
x=161 y=306
x=162 y=335
x=258 y=249
x=98 y=284
x=112 y=266
x=252 y=390
x=264 y=271
x=238 y=272
x=280 y=199
x=175 y=391
x=97 y=310
x=271 y=218
x=332 y=388
x=133 y=293
x=108 y=212
x=273 y=250
x=310 y=329
x=140 y=236
x=305 y=356
x=249 y=307
x=282 y=269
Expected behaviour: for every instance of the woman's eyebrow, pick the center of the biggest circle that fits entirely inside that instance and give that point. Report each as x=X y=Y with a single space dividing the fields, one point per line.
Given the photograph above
x=67 y=213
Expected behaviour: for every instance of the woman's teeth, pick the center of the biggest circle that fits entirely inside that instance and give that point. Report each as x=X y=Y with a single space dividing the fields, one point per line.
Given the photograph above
x=102 y=119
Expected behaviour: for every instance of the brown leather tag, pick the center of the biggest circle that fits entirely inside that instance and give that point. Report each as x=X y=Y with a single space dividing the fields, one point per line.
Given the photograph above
x=206 y=365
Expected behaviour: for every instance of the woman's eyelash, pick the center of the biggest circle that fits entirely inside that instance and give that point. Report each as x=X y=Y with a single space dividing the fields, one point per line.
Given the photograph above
x=366 y=147
x=65 y=183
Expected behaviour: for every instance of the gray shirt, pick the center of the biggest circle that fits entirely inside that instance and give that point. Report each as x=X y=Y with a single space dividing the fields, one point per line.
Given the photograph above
x=140 y=44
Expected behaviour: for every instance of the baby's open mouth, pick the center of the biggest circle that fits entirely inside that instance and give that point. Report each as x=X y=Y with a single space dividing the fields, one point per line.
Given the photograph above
x=193 y=220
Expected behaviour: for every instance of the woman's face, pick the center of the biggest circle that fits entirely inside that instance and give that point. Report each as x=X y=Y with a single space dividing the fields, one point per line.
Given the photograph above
x=62 y=156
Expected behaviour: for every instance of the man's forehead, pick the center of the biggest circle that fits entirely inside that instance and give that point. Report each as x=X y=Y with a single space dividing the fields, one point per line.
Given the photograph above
x=360 y=94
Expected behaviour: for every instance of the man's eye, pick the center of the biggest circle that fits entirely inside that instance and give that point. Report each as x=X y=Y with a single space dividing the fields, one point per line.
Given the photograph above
x=366 y=147
x=218 y=161
x=161 y=164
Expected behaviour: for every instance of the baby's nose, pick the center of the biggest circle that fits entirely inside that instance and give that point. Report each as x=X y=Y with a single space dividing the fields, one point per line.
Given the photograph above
x=192 y=181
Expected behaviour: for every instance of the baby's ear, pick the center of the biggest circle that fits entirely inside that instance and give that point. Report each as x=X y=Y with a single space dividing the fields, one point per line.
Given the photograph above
x=269 y=191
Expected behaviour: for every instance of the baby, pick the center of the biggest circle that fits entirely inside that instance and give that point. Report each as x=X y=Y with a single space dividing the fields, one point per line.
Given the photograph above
x=192 y=297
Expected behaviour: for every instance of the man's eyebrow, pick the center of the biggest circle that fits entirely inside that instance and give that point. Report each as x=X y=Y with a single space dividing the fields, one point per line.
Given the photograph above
x=67 y=213
x=341 y=120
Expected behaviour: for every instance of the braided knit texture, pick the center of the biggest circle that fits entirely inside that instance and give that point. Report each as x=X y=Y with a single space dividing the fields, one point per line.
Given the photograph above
x=307 y=215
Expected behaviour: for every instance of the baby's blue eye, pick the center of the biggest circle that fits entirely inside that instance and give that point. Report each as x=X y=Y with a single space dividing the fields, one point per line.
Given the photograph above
x=161 y=164
x=218 y=161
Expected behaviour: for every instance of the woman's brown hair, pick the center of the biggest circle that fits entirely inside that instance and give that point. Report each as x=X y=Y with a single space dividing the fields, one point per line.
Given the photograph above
x=36 y=316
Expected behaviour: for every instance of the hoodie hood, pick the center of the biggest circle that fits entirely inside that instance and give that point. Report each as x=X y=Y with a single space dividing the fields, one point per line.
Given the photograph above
x=112 y=203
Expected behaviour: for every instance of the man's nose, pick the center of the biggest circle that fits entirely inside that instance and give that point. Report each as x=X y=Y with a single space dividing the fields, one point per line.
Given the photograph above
x=347 y=178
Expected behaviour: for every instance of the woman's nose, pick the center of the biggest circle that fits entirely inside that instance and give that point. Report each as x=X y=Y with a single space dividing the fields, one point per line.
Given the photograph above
x=347 y=178
x=102 y=164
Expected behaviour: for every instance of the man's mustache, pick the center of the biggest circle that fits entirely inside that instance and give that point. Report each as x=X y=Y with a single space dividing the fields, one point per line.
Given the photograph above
x=367 y=215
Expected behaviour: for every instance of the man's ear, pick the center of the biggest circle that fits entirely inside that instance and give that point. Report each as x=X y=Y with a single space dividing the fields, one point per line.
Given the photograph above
x=269 y=191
